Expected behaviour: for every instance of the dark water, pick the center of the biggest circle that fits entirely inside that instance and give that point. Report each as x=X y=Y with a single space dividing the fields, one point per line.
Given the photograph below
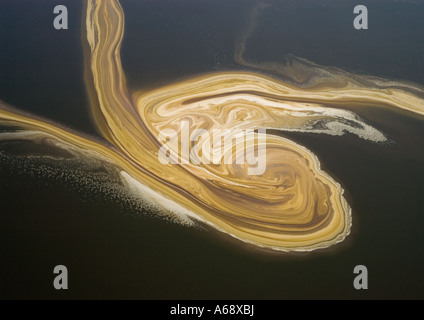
x=113 y=251
x=41 y=68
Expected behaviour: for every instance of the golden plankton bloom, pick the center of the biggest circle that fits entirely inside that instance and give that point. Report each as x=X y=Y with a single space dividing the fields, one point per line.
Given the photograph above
x=291 y=204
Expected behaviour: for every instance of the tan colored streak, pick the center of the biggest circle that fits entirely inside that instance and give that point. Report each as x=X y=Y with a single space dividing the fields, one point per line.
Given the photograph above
x=293 y=205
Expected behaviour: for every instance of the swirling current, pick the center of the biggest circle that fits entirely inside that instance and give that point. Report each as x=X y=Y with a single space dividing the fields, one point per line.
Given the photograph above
x=292 y=205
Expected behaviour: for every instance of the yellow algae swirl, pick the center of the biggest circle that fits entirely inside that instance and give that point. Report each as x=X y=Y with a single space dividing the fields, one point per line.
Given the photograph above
x=291 y=206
